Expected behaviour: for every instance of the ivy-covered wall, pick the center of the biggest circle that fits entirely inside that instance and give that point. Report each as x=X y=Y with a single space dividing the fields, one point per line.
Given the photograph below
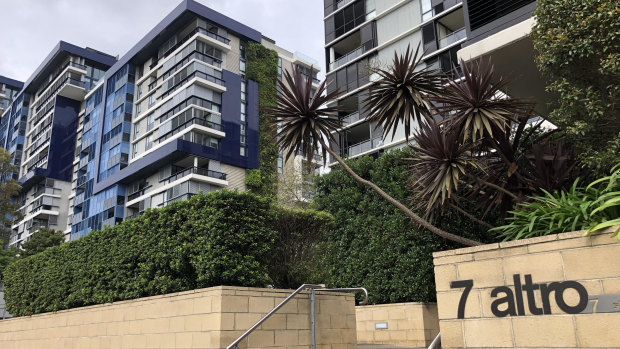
x=262 y=67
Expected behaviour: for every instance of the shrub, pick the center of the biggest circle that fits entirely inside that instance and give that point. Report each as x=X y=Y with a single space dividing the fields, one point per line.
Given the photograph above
x=373 y=244
x=221 y=238
x=295 y=259
x=594 y=207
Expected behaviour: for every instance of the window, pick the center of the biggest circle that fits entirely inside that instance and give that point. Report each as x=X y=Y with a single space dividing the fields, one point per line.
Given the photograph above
x=280 y=66
x=243 y=130
x=242 y=57
x=138 y=108
x=427 y=10
x=135 y=150
x=152 y=99
x=149 y=142
x=136 y=130
x=242 y=150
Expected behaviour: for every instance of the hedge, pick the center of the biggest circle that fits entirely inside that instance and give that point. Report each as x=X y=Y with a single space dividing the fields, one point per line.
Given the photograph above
x=373 y=244
x=220 y=238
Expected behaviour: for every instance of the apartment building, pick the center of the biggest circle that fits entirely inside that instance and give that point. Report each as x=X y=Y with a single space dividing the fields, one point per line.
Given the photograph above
x=39 y=129
x=8 y=90
x=365 y=33
x=101 y=139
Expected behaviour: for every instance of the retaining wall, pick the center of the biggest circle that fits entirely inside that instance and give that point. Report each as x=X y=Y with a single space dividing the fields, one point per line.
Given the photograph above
x=206 y=318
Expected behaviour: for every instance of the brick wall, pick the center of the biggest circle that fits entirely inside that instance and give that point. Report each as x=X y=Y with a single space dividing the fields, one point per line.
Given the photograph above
x=594 y=262
x=207 y=318
x=410 y=324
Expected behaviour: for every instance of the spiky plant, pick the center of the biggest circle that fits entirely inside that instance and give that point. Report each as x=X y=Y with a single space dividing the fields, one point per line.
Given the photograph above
x=475 y=105
x=302 y=121
x=305 y=122
x=401 y=94
x=441 y=162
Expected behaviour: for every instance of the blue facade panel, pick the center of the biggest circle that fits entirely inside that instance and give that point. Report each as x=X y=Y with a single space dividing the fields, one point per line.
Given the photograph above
x=64 y=126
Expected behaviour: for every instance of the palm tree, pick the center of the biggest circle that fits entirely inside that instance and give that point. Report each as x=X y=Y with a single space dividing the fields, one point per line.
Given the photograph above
x=306 y=125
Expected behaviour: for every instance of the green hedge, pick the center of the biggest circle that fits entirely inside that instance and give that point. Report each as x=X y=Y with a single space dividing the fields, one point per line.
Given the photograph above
x=373 y=244
x=299 y=246
x=221 y=238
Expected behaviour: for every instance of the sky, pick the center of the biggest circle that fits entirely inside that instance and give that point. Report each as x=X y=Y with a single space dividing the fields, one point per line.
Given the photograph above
x=32 y=28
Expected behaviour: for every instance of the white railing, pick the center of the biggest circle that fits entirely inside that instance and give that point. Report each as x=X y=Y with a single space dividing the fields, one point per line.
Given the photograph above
x=364 y=146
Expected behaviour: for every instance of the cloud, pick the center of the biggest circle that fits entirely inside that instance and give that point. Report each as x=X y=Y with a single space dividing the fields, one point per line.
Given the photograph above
x=31 y=28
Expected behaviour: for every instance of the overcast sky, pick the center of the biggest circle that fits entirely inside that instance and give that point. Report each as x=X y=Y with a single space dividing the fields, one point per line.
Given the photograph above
x=31 y=28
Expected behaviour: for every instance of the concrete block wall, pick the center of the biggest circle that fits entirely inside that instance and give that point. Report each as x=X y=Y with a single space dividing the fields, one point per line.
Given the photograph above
x=592 y=261
x=206 y=318
x=408 y=324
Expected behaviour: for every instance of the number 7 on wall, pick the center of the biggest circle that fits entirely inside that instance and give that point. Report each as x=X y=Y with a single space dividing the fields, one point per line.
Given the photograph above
x=468 y=285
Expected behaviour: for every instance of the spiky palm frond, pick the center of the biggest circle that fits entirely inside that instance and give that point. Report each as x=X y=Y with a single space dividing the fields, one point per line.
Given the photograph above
x=475 y=105
x=303 y=120
x=439 y=163
x=401 y=94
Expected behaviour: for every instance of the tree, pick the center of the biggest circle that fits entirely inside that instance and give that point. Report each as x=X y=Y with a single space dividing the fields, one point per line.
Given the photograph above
x=41 y=240
x=483 y=149
x=9 y=189
x=578 y=52
x=307 y=123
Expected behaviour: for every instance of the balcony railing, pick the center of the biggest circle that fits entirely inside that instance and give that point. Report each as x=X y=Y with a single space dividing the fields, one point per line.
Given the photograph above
x=178 y=198
x=351 y=118
x=138 y=193
x=196 y=73
x=342 y=3
x=194 y=170
x=452 y=38
x=188 y=36
x=188 y=123
x=363 y=48
x=364 y=146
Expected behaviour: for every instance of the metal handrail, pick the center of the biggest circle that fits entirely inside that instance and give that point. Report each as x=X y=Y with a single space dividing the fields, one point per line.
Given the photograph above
x=436 y=343
x=313 y=288
x=290 y=296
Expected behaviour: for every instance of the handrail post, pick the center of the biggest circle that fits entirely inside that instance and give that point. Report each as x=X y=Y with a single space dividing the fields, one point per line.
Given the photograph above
x=313 y=314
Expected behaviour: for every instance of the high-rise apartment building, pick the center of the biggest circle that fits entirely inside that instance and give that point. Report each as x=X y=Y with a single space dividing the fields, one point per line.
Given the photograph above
x=107 y=138
x=366 y=33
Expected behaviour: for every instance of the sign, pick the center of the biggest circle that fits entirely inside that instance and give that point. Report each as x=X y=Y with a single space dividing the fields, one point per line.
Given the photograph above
x=511 y=301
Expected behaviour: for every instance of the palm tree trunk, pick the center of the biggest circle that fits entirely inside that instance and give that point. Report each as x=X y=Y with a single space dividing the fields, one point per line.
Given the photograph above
x=421 y=221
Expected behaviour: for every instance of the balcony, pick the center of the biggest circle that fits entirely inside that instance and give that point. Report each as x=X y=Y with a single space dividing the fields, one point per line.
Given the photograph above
x=198 y=74
x=452 y=38
x=203 y=31
x=178 y=198
x=352 y=55
x=364 y=146
x=188 y=123
x=351 y=118
x=195 y=170
x=138 y=193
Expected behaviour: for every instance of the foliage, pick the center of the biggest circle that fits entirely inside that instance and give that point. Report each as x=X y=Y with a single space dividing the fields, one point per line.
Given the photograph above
x=578 y=52
x=401 y=94
x=262 y=67
x=221 y=238
x=295 y=258
x=471 y=106
x=375 y=245
x=594 y=207
x=485 y=143
x=308 y=124
x=9 y=189
x=7 y=255
x=41 y=240
x=304 y=121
